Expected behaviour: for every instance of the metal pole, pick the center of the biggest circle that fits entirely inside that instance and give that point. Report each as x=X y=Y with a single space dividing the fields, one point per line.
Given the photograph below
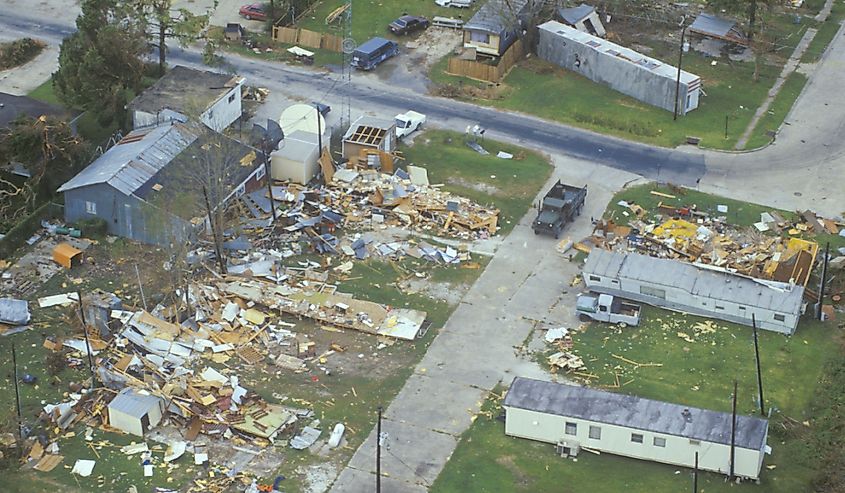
x=726 y=127
x=319 y=135
x=17 y=395
x=140 y=288
x=217 y=246
x=269 y=181
x=87 y=342
x=695 y=475
x=378 y=452
x=823 y=281
x=678 y=81
x=759 y=373
x=733 y=434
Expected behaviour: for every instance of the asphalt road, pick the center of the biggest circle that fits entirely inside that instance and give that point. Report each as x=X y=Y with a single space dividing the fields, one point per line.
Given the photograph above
x=650 y=162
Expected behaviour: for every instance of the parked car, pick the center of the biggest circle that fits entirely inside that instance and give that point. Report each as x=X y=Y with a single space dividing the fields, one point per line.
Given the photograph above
x=253 y=11
x=324 y=109
x=373 y=52
x=408 y=24
x=461 y=4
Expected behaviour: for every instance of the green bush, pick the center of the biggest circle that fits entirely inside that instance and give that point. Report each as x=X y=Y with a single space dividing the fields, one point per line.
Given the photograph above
x=18 y=235
x=19 y=52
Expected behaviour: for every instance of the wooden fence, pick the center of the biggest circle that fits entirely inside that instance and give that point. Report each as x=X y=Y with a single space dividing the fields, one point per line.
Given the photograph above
x=486 y=72
x=308 y=39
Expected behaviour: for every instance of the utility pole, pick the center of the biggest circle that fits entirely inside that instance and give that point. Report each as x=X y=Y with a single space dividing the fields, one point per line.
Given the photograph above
x=17 y=395
x=680 y=62
x=823 y=281
x=733 y=434
x=759 y=374
x=378 y=452
x=217 y=246
x=264 y=145
x=695 y=475
x=726 y=127
x=87 y=342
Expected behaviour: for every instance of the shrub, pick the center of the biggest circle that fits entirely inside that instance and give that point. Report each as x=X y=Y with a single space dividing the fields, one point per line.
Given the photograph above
x=19 y=52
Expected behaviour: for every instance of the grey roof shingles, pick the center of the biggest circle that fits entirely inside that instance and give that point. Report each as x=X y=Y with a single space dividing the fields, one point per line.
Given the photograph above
x=135 y=159
x=712 y=25
x=573 y=15
x=496 y=16
x=134 y=404
x=699 y=281
x=635 y=412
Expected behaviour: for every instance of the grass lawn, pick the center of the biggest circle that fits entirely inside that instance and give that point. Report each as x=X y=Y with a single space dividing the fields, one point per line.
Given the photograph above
x=371 y=17
x=553 y=93
x=773 y=118
x=825 y=34
x=509 y=184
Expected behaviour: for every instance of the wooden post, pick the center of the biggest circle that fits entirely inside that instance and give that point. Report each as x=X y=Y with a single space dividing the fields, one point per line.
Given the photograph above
x=733 y=434
x=757 y=357
x=695 y=475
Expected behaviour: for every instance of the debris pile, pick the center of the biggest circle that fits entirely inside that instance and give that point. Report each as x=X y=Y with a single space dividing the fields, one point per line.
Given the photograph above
x=706 y=239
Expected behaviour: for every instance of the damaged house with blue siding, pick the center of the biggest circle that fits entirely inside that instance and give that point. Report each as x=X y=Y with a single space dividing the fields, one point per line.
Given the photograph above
x=149 y=186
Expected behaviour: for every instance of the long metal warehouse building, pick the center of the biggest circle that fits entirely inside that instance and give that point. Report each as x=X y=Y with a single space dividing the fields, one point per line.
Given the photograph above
x=578 y=417
x=695 y=289
x=623 y=69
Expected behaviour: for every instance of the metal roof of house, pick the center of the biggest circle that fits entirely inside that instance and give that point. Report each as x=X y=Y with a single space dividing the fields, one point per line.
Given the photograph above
x=185 y=89
x=136 y=158
x=298 y=146
x=496 y=16
x=573 y=15
x=635 y=413
x=130 y=402
x=608 y=48
x=718 y=27
x=698 y=281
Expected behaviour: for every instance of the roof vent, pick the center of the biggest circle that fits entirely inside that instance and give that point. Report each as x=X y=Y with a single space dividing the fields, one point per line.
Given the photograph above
x=687 y=415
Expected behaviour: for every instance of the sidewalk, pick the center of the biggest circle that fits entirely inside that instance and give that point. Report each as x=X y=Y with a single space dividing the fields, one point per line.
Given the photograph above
x=524 y=282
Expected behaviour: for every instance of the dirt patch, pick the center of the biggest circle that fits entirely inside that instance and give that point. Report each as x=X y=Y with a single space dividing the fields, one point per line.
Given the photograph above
x=434 y=44
x=442 y=291
x=485 y=188
x=519 y=476
x=318 y=478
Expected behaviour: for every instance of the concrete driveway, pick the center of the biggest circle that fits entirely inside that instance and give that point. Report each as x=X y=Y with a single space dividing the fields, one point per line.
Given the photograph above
x=522 y=287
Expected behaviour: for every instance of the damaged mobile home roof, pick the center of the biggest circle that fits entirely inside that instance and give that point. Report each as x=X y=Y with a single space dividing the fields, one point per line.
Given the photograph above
x=605 y=47
x=496 y=16
x=635 y=412
x=134 y=403
x=718 y=27
x=699 y=281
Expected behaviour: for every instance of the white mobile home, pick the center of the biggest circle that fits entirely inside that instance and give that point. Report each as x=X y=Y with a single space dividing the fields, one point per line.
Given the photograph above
x=622 y=69
x=575 y=417
x=695 y=289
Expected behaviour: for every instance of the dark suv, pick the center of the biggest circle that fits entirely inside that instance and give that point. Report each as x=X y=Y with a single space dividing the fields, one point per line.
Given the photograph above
x=408 y=24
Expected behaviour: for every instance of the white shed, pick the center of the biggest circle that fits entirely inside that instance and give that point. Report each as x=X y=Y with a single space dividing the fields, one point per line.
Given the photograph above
x=578 y=417
x=297 y=159
x=696 y=289
x=134 y=412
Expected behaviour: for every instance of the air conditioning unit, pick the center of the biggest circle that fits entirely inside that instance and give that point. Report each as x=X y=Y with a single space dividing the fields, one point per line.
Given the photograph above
x=567 y=448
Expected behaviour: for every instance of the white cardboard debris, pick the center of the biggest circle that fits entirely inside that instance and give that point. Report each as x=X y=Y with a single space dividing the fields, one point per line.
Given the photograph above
x=83 y=467
x=337 y=435
x=58 y=299
x=553 y=335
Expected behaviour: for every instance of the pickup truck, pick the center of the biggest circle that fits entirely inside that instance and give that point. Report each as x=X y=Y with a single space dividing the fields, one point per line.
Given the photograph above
x=607 y=308
x=560 y=205
x=408 y=122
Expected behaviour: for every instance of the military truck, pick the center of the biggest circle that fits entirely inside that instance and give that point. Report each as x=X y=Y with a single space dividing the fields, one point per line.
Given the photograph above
x=607 y=308
x=560 y=205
